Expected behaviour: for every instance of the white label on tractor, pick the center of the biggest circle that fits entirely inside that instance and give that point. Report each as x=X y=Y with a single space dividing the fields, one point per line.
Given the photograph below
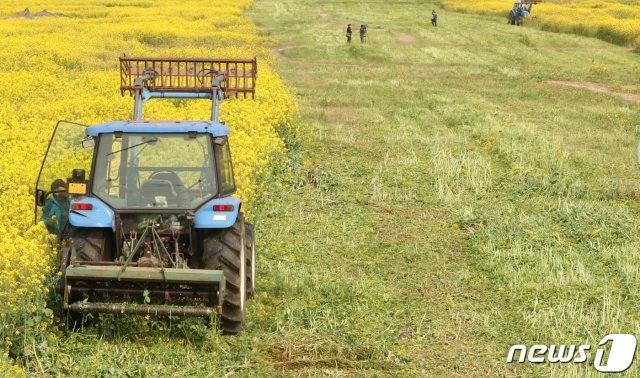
x=219 y=217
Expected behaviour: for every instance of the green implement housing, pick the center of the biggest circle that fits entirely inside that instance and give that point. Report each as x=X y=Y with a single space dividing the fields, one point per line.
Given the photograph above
x=168 y=285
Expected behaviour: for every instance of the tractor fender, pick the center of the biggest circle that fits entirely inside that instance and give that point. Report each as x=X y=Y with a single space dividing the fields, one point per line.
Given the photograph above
x=101 y=215
x=206 y=217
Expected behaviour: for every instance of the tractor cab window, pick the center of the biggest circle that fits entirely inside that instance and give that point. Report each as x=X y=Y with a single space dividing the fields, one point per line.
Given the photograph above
x=146 y=171
x=223 y=156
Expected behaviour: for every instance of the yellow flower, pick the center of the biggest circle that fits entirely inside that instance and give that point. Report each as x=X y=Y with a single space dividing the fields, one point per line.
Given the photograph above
x=64 y=70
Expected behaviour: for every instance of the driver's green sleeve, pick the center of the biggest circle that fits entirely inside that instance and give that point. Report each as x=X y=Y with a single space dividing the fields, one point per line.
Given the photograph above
x=48 y=212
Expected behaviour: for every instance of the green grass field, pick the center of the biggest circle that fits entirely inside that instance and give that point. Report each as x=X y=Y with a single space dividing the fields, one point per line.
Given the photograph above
x=450 y=201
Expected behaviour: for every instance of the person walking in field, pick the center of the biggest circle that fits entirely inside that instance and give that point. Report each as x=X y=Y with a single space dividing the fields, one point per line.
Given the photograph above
x=434 y=18
x=349 y=33
x=55 y=213
x=363 y=33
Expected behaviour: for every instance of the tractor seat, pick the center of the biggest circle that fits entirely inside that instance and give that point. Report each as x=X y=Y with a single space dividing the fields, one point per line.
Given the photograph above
x=153 y=188
x=178 y=186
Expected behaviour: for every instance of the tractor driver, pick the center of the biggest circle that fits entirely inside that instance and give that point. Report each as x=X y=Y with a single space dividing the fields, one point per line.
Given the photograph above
x=55 y=213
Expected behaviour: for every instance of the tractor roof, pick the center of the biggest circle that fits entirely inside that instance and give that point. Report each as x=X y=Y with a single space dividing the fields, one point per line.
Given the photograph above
x=213 y=128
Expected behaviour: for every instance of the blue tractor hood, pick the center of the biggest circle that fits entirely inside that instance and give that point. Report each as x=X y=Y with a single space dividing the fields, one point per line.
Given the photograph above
x=216 y=129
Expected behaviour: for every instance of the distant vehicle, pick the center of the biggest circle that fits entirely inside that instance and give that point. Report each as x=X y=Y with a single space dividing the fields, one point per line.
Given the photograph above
x=521 y=9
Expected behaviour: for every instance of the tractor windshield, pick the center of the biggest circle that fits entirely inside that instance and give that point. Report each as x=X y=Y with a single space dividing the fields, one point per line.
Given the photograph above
x=147 y=171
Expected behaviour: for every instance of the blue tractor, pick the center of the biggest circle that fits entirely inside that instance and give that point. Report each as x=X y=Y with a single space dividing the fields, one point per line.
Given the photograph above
x=153 y=227
x=521 y=9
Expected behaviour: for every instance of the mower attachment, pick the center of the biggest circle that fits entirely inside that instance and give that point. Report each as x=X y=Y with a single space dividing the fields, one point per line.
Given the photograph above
x=92 y=288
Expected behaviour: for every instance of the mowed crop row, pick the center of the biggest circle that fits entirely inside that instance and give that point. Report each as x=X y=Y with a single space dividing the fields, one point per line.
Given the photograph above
x=62 y=64
x=616 y=21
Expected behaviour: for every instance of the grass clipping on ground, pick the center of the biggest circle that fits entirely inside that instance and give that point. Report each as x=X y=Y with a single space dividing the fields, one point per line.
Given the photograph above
x=55 y=68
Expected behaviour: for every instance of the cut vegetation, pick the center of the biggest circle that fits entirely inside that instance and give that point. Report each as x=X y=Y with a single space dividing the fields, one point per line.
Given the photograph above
x=463 y=202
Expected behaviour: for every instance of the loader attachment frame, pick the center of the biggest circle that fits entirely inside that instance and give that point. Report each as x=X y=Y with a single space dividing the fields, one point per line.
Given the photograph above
x=214 y=79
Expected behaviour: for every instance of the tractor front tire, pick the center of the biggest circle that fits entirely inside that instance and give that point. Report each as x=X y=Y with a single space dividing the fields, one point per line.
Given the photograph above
x=222 y=252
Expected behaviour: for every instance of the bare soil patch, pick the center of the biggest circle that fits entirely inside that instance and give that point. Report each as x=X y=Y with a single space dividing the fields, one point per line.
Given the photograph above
x=325 y=16
x=599 y=88
x=404 y=37
x=340 y=114
x=42 y=14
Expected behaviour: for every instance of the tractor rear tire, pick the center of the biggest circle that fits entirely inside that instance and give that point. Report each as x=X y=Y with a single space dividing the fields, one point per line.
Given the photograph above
x=90 y=244
x=222 y=252
x=73 y=320
x=64 y=262
x=250 y=248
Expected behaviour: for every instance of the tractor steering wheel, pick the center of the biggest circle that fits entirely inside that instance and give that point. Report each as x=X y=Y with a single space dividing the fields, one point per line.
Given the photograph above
x=161 y=171
x=177 y=184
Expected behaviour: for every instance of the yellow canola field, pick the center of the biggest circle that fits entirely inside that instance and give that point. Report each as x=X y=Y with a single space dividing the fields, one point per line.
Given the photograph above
x=66 y=67
x=616 y=21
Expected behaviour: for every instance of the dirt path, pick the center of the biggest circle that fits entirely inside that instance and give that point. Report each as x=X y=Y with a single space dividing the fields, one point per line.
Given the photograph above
x=278 y=52
x=599 y=88
x=404 y=37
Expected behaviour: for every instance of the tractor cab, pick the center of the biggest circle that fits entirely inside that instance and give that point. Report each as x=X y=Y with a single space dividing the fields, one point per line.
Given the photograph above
x=160 y=166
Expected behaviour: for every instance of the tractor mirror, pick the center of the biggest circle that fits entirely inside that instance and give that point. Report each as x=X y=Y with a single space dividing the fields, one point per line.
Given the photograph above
x=220 y=141
x=40 y=194
x=88 y=143
x=78 y=175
